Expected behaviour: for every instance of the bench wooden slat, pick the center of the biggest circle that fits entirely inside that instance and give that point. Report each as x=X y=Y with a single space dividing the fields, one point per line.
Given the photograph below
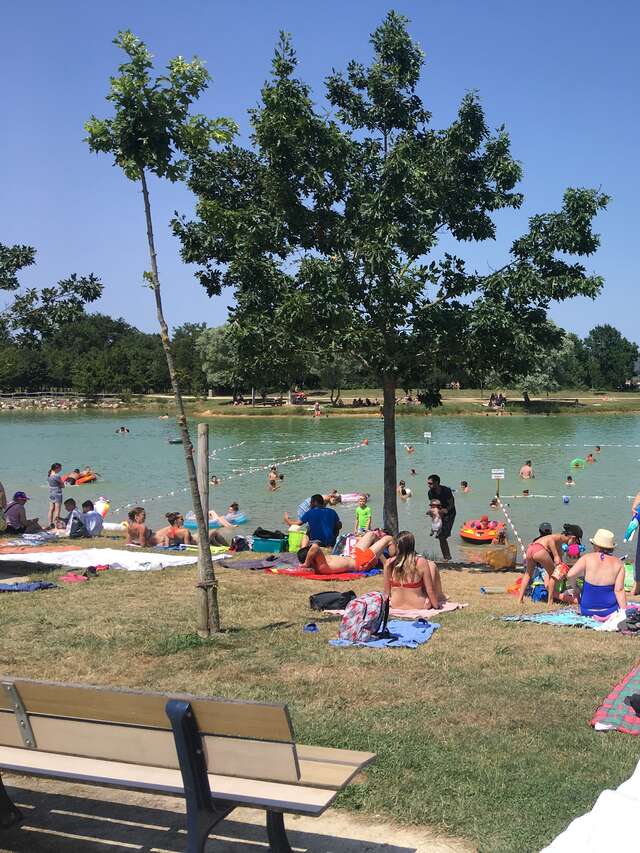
x=275 y=796
x=317 y=774
x=262 y=721
x=337 y=756
x=155 y=747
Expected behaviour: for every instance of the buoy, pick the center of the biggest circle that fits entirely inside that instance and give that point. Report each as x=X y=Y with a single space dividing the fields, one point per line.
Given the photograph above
x=565 y=499
x=365 y=441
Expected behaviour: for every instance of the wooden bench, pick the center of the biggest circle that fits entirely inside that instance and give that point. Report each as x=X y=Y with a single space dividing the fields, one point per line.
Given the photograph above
x=216 y=753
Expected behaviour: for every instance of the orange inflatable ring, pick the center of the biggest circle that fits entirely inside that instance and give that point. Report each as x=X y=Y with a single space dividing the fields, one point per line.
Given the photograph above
x=472 y=534
x=88 y=478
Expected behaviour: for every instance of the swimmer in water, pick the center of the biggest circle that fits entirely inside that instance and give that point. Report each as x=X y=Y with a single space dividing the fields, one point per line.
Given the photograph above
x=598 y=448
x=590 y=458
x=465 y=488
x=570 y=481
x=402 y=491
x=409 y=448
x=413 y=472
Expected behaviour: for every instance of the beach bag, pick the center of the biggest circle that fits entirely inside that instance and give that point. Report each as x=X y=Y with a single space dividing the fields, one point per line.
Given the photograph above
x=364 y=617
x=501 y=558
x=331 y=600
x=261 y=533
x=77 y=530
x=239 y=543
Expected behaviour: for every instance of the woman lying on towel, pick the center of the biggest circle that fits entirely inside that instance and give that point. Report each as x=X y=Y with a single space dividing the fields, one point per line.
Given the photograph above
x=366 y=556
x=412 y=582
x=603 y=590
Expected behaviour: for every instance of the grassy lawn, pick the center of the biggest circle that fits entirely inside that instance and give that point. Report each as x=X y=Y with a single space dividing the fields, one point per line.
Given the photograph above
x=482 y=733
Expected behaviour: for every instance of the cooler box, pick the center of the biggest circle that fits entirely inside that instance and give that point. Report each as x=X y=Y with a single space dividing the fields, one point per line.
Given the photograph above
x=274 y=546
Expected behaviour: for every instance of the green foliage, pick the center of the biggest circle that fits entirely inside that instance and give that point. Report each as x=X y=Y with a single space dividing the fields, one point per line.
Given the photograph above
x=431 y=398
x=35 y=314
x=152 y=127
x=184 y=345
x=610 y=357
x=327 y=227
x=217 y=351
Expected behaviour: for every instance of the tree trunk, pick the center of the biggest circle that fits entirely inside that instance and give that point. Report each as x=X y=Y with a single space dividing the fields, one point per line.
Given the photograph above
x=208 y=613
x=390 y=506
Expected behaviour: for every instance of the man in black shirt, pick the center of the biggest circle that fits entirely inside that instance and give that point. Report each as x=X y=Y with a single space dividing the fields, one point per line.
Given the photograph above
x=448 y=511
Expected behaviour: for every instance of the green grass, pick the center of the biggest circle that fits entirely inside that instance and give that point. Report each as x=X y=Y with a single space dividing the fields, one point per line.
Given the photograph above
x=482 y=733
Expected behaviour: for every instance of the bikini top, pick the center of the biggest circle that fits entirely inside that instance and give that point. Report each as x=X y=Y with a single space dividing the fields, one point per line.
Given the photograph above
x=406 y=585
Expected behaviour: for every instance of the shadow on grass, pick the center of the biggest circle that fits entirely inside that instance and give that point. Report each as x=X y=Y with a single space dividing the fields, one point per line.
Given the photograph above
x=69 y=823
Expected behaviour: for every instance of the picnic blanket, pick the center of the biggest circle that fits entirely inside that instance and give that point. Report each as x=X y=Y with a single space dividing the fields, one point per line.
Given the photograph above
x=82 y=558
x=403 y=635
x=27 y=586
x=299 y=572
x=612 y=823
x=613 y=714
x=275 y=560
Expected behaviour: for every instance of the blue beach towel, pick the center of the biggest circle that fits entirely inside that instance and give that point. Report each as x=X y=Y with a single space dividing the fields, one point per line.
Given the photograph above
x=408 y=635
x=27 y=587
x=564 y=618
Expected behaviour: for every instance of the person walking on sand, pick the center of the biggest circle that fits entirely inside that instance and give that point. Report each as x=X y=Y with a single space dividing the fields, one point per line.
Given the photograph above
x=526 y=472
x=438 y=492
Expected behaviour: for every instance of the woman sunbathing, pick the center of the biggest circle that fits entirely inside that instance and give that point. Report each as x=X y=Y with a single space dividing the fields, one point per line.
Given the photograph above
x=603 y=590
x=137 y=531
x=366 y=556
x=175 y=533
x=412 y=582
x=546 y=552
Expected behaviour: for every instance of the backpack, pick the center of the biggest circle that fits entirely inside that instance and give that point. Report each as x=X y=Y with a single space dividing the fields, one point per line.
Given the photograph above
x=239 y=543
x=331 y=600
x=364 y=617
x=261 y=533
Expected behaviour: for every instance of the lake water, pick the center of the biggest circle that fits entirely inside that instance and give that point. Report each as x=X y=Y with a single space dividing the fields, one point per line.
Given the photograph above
x=143 y=467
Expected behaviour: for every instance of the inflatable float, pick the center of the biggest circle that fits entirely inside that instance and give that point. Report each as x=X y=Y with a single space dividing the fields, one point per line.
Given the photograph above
x=350 y=497
x=233 y=518
x=578 y=462
x=471 y=531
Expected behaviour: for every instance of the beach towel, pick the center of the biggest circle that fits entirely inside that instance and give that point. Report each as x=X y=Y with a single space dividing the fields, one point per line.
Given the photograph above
x=613 y=714
x=612 y=823
x=312 y=576
x=28 y=586
x=138 y=561
x=448 y=607
x=564 y=618
x=273 y=561
x=408 y=635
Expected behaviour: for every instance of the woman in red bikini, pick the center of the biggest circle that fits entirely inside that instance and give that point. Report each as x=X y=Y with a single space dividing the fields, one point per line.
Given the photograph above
x=411 y=581
x=546 y=552
x=366 y=555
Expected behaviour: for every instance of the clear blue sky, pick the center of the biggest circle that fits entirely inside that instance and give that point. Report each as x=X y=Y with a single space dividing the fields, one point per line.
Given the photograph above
x=562 y=76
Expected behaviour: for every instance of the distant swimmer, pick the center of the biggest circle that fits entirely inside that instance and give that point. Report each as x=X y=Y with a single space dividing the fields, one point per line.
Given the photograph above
x=598 y=448
x=163 y=417
x=123 y=430
x=215 y=481
x=590 y=458
x=465 y=488
x=526 y=472
x=570 y=481
x=413 y=472
x=409 y=448
x=402 y=491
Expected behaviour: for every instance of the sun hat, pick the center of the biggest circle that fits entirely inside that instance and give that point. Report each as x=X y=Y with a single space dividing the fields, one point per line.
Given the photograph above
x=20 y=496
x=603 y=539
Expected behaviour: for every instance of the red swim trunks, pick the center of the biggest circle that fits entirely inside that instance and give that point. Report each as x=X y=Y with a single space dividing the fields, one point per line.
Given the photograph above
x=365 y=559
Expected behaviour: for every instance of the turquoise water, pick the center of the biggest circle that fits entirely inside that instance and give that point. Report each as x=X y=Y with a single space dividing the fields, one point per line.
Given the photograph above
x=143 y=467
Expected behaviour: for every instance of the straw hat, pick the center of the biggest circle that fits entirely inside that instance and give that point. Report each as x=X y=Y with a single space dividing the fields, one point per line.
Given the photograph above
x=603 y=539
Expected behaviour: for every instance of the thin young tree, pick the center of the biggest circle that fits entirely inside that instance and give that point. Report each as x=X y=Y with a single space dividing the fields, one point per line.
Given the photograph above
x=153 y=132
x=333 y=218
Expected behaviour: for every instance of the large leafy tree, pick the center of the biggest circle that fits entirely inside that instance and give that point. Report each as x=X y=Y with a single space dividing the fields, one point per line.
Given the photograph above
x=153 y=132
x=610 y=357
x=331 y=222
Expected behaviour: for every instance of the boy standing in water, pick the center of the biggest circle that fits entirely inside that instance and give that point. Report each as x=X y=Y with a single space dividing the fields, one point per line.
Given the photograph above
x=363 y=516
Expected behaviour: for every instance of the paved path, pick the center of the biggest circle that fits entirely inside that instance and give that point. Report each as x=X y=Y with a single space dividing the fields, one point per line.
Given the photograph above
x=67 y=818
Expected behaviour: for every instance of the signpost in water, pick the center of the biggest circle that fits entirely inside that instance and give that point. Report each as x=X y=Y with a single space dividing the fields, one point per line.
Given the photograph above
x=497 y=474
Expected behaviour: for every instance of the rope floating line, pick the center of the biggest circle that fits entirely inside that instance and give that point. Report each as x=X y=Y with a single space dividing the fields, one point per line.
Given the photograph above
x=512 y=526
x=525 y=444
x=242 y=473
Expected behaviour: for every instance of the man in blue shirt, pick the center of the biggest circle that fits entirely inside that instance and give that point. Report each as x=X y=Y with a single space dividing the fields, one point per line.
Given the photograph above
x=324 y=523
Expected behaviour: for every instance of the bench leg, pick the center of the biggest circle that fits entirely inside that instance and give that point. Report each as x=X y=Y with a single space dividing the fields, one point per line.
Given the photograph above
x=277 y=834
x=9 y=814
x=199 y=825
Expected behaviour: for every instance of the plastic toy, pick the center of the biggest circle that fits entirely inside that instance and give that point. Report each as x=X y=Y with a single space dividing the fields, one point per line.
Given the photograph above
x=633 y=526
